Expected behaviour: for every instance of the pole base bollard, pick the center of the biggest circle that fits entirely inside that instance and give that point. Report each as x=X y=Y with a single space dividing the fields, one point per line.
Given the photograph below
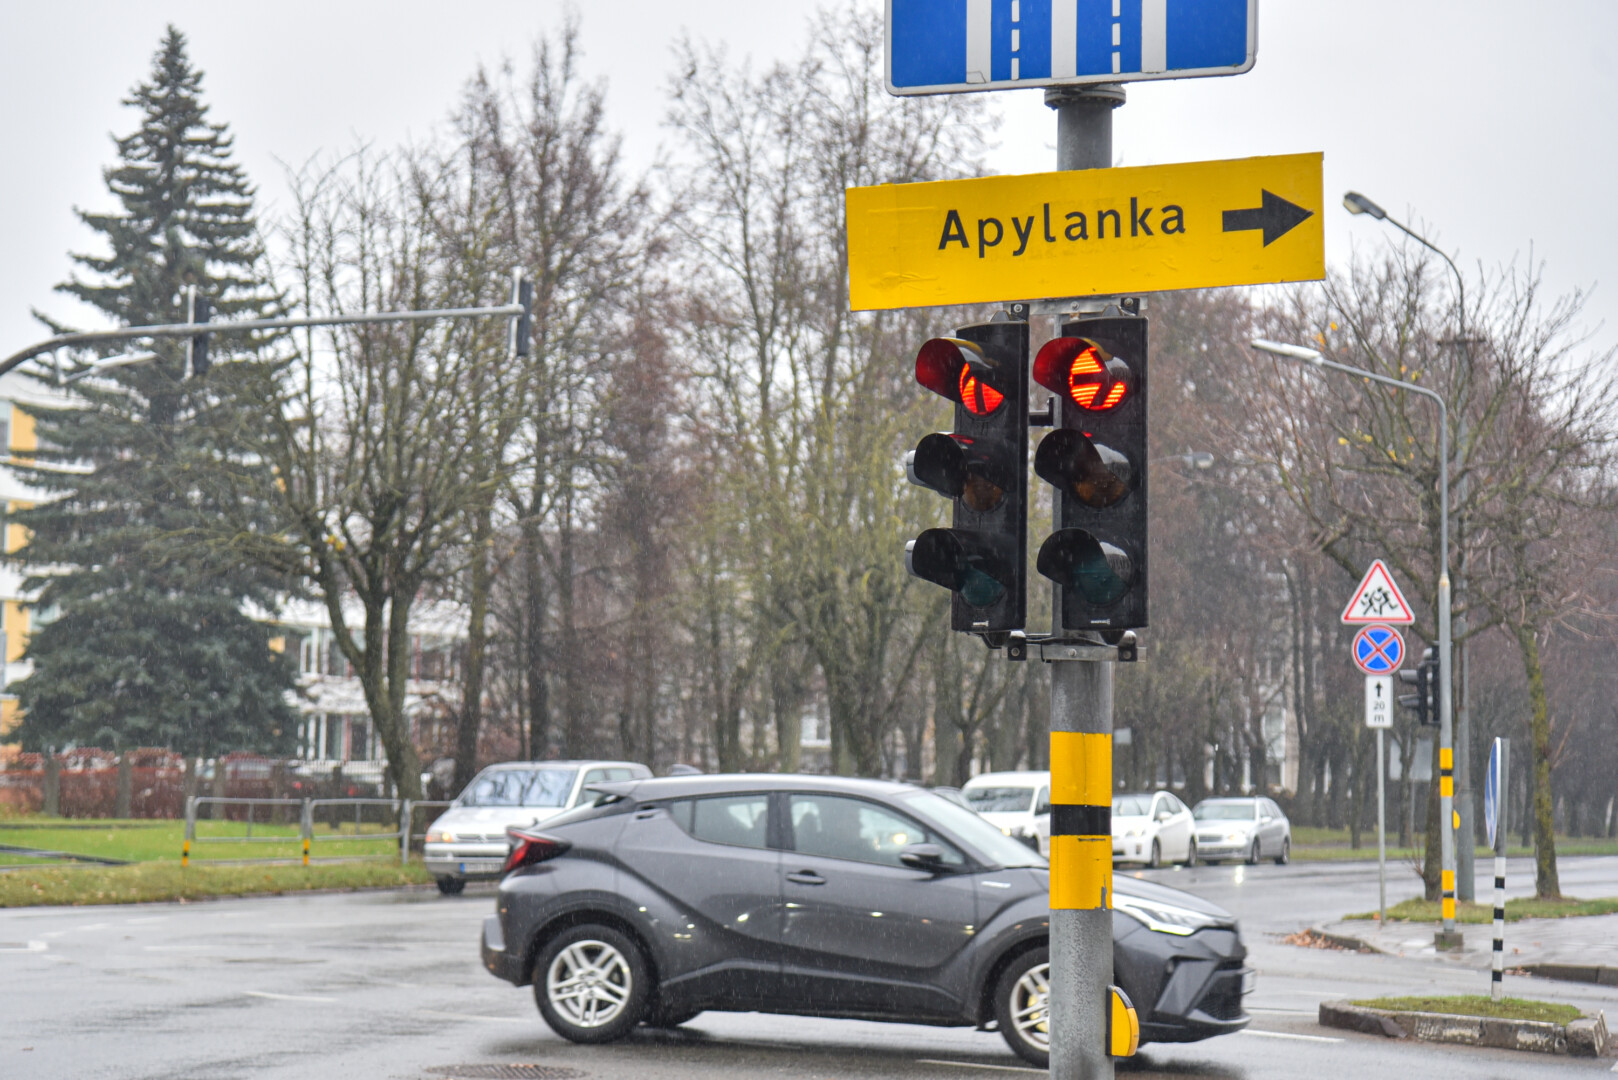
x=1448 y=940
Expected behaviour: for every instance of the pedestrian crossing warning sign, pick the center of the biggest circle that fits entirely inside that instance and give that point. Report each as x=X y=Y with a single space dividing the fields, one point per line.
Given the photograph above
x=1378 y=600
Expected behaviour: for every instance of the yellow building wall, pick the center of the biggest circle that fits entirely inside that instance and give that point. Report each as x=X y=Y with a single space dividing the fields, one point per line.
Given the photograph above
x=22 y=431
x=9 y=717
x=12 y=537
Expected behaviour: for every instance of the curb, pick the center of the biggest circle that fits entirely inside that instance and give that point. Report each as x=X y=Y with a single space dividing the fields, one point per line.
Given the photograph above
x=1585 y=1037
x=1585 y=973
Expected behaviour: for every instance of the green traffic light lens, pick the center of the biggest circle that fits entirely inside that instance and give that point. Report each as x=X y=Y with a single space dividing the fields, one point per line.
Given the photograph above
x=979 y=589
x=1101 y=572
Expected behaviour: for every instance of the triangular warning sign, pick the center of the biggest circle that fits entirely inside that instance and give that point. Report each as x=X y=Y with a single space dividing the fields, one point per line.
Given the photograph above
x=1378 y=600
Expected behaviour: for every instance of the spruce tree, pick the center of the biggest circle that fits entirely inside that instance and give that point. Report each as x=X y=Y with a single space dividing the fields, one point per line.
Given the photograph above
x=151 y=646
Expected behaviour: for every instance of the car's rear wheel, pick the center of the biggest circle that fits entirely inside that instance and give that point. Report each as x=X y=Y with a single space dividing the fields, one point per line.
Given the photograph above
x=449 y=886
x=1156 y=858
x=1022 y=1006
x=591 y=984
x=1253 y=856
x=1286 y=853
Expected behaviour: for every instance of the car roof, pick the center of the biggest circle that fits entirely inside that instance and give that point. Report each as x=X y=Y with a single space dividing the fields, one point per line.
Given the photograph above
x=1234 y=799
x=676 y=787
x=571 y=762
x=1032 y=776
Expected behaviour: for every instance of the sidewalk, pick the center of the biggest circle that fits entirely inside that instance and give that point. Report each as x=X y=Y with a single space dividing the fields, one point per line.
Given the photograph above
x=1586 y=940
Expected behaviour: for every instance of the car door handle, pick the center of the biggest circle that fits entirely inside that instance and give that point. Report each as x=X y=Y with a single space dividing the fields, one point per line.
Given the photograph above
x=806 y=877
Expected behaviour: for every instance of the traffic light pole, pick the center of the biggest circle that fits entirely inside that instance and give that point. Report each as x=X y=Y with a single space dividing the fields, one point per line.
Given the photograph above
x=1081 y=744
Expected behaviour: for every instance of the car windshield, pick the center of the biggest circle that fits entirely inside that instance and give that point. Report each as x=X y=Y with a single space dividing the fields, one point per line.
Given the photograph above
x=999 y=800
x=995 y=845
x=1226 y=811
x=520 y=787
x=1131 y=806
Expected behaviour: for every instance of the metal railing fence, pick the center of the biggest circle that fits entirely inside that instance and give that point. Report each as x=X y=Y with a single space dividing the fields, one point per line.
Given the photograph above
x=402 y=811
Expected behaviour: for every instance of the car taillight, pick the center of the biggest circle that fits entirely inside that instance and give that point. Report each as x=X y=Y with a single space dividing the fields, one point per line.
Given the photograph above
x=528 y=848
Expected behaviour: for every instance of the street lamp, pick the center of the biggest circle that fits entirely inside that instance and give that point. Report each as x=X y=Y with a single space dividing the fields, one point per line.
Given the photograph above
x=95 y=367
x=1448 y=938
x=1355 y=203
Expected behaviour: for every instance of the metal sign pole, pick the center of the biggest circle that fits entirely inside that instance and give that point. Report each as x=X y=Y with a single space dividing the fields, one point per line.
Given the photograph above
x=1381 y=832
x=1081 y=745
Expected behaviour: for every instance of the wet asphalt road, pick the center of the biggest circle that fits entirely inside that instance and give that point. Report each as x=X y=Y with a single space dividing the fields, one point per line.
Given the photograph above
x=388 y=985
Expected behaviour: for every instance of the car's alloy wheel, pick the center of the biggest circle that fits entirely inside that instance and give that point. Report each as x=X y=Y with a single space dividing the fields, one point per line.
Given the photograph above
x=1253 y=856
x=1156 y=859
x=1191 y=855
x=591 y=984
x=1022 y=1007
x=450 y=886
x=1286 y=853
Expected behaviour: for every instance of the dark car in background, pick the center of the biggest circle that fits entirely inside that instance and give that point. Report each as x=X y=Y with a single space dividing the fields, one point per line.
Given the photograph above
x=830 y=897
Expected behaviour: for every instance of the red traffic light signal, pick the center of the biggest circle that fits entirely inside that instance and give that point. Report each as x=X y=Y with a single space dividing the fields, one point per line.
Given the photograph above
x=1083 y=372
x=959 y=370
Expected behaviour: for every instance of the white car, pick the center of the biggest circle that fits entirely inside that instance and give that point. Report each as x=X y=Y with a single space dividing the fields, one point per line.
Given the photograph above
x=1152 y=828
x=468 y=841
x=1016 y=803
x=1250 y=828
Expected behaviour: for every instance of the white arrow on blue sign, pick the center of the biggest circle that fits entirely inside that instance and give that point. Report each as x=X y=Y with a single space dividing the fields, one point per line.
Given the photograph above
x=959 y=46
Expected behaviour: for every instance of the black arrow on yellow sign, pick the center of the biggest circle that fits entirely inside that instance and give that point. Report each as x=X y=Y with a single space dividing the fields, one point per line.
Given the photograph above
x=1275 y=216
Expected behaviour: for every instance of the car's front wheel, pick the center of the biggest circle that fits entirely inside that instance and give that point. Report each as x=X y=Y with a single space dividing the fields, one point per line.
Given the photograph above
x=592 y=984
x=1286 y=853
x=1156 y=858
x=1191 y=855
x=1022 y=1006
x=450 y=886
x=1253 y=856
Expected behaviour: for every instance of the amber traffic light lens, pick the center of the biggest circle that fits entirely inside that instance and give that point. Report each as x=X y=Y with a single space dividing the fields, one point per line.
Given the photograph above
x=1096 y=474
x=1083 y=372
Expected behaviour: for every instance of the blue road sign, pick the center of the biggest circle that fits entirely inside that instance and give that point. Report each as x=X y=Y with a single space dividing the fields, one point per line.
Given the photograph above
x=959 y=46
x=1492 y=783
x=1378 y=650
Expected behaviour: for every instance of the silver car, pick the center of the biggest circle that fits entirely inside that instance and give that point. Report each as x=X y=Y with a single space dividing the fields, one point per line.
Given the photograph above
x=468 y=842
x=1251 y=828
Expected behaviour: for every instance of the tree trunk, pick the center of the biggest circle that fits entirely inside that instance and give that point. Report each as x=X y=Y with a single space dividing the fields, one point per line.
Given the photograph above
x=122 y=809
x=1432 y=864
x=477 y=640
x=1546 y=883
x=535 y=607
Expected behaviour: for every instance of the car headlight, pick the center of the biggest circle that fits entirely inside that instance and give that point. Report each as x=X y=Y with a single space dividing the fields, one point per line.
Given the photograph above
x=1235 y=836
x=440 y=837
x=1164 y=918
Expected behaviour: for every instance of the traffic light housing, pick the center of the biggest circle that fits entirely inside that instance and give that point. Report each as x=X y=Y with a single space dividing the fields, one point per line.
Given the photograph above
x=1096 y=459
x=982 y=466
x=198 y=310
x=522 y=326
x=1424 y=678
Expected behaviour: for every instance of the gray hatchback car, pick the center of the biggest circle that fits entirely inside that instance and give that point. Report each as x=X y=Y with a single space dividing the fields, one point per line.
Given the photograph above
x=827 y=897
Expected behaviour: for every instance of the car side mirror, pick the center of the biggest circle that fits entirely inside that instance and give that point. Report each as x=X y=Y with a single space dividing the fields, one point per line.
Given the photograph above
x=928 y=857
x=1163 y=815
x=1265 y=820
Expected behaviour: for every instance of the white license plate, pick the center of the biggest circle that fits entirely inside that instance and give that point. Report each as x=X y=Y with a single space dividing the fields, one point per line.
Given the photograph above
x=481 y=866
x=1249 y=981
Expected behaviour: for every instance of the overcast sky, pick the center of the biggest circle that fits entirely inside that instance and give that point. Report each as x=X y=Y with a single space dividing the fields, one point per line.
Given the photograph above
x=1490 y=124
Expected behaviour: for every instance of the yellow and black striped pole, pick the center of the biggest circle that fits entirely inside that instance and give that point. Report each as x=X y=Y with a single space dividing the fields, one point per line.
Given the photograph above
x=1081 y=867
x=185 y=853
x=1446 y=801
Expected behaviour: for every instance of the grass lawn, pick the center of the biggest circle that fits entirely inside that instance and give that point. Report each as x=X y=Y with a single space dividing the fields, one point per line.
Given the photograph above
x=160 y=841
x=1332 y=845
x=151 y=881
x=1478 y=1005
x=1417 y=910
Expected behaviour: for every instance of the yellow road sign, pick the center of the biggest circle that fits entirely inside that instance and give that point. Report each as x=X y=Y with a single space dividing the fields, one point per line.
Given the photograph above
x=1085 y=233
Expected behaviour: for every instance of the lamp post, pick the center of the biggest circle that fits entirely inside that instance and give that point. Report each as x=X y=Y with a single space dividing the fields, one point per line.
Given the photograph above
x=1447 y=937
x=1355 y=203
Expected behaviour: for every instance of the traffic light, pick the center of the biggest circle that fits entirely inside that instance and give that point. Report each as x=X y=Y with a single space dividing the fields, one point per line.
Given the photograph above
x=522 y=326
x=1096 y=459
x=198 y=310
x=982 y=465
x=1424 y=677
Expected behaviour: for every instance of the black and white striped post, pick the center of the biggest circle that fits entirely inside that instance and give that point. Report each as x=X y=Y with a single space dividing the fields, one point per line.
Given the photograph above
x=1494 y=814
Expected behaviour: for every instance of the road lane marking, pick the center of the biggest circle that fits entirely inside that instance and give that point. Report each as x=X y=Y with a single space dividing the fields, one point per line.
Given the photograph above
x=1289 y=1035
x=290 y=997
x=473 y=1016
x=31 y=946
x=978 y=1065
